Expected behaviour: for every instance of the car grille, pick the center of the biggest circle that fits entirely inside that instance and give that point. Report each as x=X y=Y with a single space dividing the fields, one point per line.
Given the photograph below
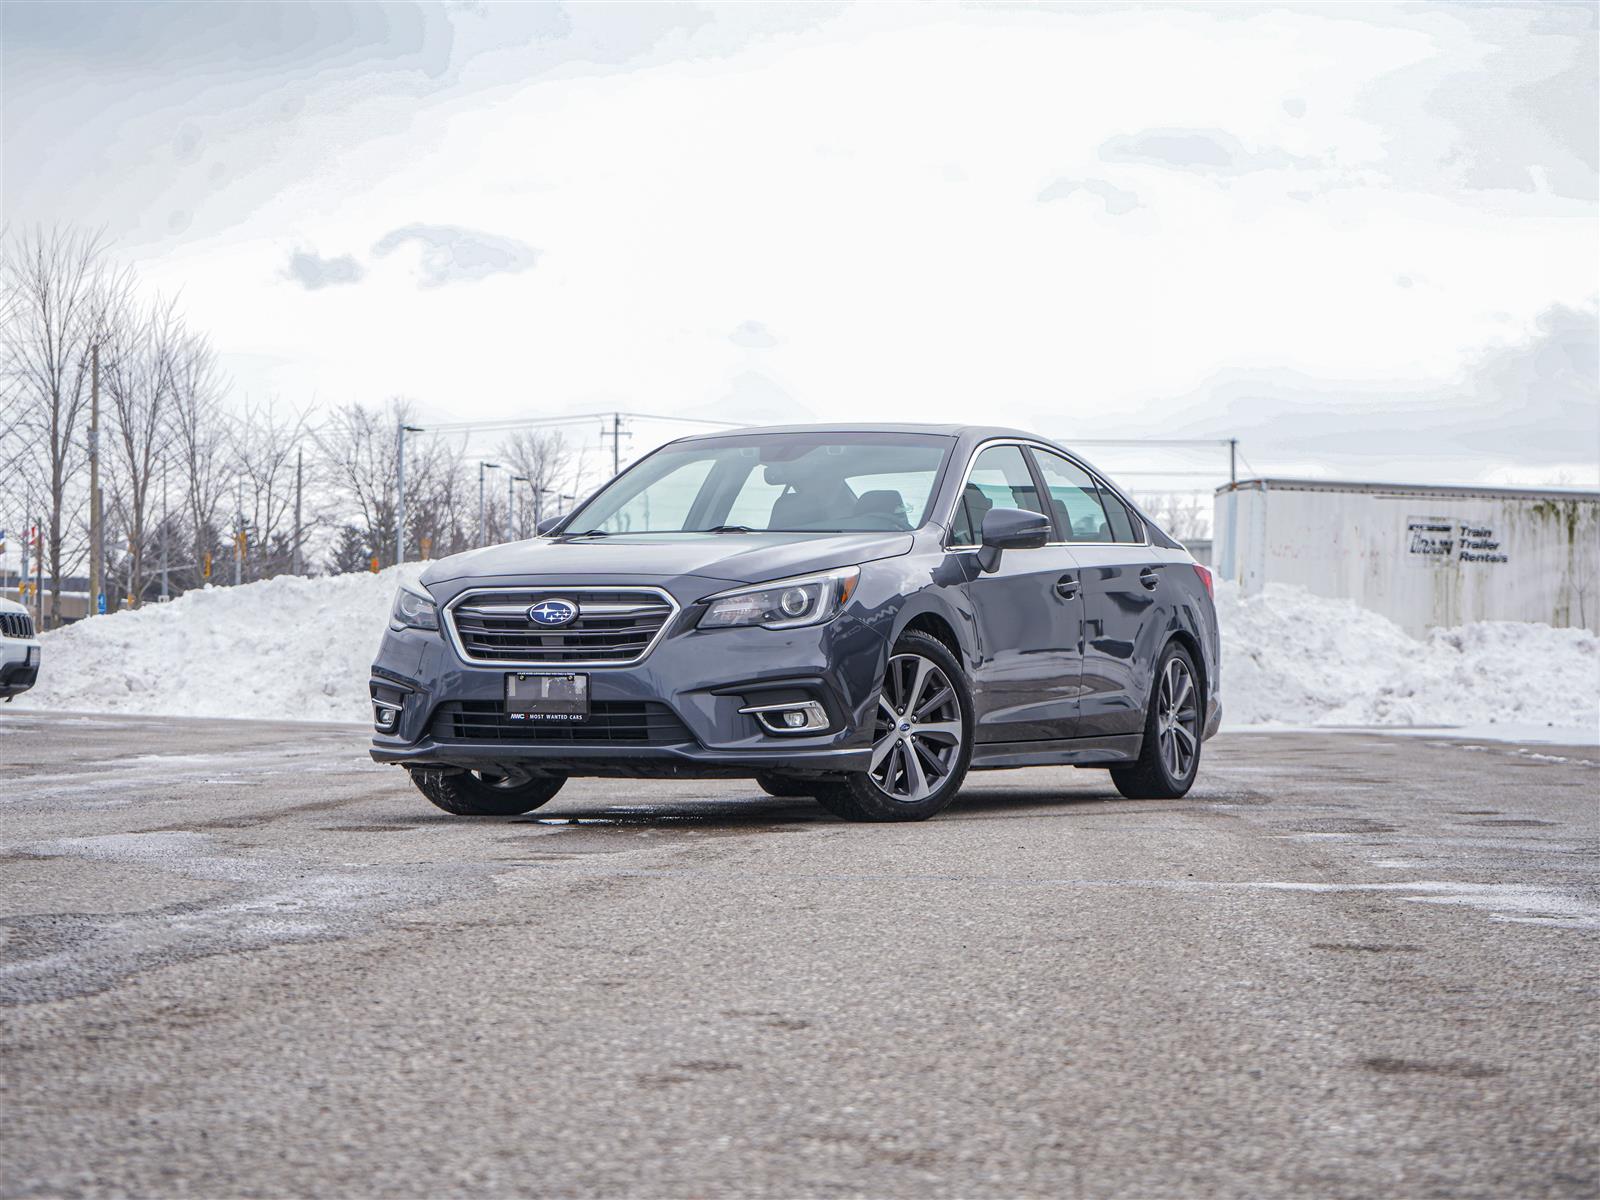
x=610 y=723
x=16 y=625
x=614 y=627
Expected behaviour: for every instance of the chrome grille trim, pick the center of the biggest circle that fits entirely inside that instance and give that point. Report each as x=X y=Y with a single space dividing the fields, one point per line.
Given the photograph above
x=652 y=602
x=16 y=625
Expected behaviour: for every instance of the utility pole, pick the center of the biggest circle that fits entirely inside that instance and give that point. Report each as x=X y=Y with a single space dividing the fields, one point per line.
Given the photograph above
x=299 y=466
x=94 y=481
x=38 y=574
x=482 y=466
x=166 y=533
x=616 y=434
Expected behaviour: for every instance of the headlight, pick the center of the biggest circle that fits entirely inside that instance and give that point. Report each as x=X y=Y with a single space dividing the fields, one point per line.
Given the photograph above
x=785 y=603
x=414 y=609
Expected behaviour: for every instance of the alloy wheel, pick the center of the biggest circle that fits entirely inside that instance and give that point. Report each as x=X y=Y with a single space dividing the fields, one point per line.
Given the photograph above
x=1178 y=719
x=917 y=738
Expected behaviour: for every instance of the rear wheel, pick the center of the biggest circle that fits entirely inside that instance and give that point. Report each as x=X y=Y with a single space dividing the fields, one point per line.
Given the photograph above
x=1170 y=756
x=480 y=794
x=921 y=741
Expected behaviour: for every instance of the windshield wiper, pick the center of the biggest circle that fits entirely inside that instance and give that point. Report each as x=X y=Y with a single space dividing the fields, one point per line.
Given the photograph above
x=729 y=529
x=588 y=533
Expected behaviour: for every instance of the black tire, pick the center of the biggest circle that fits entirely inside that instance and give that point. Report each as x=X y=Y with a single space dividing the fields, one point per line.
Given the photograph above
x=900 y=787
x=786 y=787
x=475 y=794
x=1169 y=757
x=839 y=800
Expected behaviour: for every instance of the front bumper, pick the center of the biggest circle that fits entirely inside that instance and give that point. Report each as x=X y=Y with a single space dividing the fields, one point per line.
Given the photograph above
x=19 y=666
x=693 y=684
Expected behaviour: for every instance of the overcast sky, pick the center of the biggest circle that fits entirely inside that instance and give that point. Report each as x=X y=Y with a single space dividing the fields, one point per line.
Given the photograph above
x=1362 y=238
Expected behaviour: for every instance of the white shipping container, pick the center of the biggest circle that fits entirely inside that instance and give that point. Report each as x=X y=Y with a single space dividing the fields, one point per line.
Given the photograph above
x=1422 y=556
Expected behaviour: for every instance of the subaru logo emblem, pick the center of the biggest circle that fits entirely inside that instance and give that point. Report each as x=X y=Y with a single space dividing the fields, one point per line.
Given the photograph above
x=551 y=613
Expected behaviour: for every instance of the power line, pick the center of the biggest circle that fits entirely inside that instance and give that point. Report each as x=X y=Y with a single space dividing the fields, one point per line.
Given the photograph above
x=573 y=419
x=1207 y=442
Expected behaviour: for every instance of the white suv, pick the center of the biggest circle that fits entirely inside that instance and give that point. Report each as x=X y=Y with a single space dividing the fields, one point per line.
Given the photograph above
x=19 y=650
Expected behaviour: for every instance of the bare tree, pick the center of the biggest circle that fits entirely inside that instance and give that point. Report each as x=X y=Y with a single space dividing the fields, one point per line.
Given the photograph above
x=264 y=444
x=60 y=291
x=137 y=374
x=543 y=458
x=199 y=435
x=1184 y=515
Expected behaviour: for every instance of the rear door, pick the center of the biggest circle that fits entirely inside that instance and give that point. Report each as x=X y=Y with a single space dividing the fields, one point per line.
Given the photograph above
x=1027 y=614
x=1121 y=581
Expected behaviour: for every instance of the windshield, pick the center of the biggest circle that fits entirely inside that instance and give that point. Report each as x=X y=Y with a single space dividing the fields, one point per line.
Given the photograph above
x=794 y=482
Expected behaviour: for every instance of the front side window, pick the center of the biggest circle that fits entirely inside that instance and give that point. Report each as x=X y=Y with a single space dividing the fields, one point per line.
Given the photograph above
x=826 y=482
x=999 y=479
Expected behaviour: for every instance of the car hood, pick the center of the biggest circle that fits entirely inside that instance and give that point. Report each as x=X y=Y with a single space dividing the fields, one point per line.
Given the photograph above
x=659 y=558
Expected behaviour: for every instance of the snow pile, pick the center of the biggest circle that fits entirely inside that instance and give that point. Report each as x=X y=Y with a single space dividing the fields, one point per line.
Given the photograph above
x=284 y=649
x=1292 y=658
x=299 y=649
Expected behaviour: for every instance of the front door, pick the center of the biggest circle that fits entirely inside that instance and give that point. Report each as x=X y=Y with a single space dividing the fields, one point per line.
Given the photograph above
x=1028 y=614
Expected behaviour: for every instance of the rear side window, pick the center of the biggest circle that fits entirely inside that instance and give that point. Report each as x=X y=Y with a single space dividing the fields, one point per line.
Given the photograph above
x=1125 y=527
x=1074 y=499
x=999 y=479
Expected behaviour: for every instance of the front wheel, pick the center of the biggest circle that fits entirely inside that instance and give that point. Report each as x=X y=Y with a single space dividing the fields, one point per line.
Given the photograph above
x=479 y=794
x=1169 y=757
x=921 y=739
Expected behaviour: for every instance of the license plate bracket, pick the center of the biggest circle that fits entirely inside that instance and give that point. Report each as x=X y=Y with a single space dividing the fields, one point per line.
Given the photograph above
x=553 y=696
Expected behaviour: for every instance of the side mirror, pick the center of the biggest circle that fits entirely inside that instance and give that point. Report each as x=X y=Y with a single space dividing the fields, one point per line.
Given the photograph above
x=549 y=523
x=1011 y=529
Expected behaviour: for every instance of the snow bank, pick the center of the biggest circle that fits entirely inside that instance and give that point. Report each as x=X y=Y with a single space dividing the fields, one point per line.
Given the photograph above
x=299 y=649
x=284 y=649
x=1292 y=658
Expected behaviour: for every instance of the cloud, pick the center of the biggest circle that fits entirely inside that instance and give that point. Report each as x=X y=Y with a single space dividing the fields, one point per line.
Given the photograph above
x=1117 y=201
x=311 y=271
x=1531 y=400
x=1206 y=151
x=753 y=335
x=452 y=254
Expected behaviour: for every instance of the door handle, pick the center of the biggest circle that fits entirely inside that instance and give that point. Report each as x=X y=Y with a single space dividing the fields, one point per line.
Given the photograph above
x=1067 y=587
x=1149 y=577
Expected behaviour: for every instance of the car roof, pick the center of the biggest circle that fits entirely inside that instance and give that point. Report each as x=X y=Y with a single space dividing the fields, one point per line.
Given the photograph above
x=944 y=430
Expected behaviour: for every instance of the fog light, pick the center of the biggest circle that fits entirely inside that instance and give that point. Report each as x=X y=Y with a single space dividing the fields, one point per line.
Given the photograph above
x=385 y=716
x=794 y=716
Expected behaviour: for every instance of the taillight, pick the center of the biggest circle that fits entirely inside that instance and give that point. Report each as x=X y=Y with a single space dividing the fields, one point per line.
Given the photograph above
x=1205 y=578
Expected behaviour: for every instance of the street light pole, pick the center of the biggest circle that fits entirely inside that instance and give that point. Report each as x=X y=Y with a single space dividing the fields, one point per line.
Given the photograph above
x=166 y=531
x=511 y=504
x=482 y=467
x=299 y=464
x=400 y=491
x=96 y=584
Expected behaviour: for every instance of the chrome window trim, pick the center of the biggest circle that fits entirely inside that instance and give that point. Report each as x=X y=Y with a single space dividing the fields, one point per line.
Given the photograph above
x=1034 y=444
x=576 y=593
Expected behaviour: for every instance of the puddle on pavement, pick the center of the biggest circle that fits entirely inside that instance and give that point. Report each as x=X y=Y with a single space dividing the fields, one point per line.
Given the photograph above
x=713 y=823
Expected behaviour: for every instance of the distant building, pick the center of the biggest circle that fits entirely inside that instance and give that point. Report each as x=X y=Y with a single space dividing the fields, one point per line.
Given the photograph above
x=1423 y=556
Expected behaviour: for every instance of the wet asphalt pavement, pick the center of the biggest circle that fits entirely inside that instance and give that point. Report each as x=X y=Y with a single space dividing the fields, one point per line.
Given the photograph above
x=241 y=960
